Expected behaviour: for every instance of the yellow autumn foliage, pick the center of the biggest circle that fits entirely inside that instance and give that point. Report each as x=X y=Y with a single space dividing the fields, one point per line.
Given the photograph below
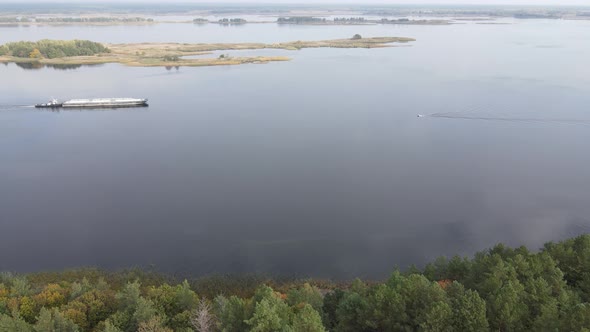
x=35 y=54
x=28 y=309
x=53 y=295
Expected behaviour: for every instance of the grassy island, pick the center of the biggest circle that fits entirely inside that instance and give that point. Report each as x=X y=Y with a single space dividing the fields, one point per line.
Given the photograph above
x=79 y=52
x=500 y=289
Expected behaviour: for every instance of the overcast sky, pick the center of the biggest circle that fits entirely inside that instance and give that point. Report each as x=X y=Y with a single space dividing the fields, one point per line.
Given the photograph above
x=393 y=2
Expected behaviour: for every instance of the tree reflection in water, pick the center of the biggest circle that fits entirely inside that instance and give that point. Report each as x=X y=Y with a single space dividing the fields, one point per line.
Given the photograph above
x=38 y=65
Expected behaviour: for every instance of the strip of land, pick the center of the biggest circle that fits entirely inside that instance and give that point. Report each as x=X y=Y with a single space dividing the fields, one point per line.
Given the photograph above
x=174 y=54
x=78 y=20
x=130 y=20
x=307 y=20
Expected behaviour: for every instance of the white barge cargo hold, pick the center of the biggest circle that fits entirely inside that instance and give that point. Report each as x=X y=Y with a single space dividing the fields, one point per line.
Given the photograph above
x=104 y=102
x=96 y=103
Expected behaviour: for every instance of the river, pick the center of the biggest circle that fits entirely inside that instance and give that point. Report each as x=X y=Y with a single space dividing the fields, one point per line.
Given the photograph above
x=314 y=167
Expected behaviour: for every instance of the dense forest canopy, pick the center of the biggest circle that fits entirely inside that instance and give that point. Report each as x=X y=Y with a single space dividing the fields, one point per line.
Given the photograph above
x=51 y=49
x=501 y=289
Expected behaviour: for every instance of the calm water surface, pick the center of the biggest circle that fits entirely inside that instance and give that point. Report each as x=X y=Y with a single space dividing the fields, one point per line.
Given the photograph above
x=317 y=167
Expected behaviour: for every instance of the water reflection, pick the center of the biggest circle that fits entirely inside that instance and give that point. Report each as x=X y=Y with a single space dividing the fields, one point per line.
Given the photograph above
x=38 y=65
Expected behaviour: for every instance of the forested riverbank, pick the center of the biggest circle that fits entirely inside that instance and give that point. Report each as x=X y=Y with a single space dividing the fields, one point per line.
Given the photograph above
x=500 y=289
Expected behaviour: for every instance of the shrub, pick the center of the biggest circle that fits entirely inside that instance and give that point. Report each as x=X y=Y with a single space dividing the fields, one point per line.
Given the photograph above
x=171 y=58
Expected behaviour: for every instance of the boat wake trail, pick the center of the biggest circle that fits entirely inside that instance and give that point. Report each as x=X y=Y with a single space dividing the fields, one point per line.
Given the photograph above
x=14 y=107
x=475 y=114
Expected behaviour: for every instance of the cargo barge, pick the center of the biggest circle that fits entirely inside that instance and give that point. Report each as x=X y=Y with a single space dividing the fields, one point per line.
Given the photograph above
x=95 y=103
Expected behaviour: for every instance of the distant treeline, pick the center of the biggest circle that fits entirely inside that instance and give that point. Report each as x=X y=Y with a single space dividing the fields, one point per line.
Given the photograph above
x=537 y=15
x=345 y=20
x=92 y=19
x=300 y=20
x=13 y=19
x=500 y=289
x=74 y=19
x=232 y=21
x=532 y=12
x=51 y=49
x=402 y=20
x=349 y=19
x=409 y=21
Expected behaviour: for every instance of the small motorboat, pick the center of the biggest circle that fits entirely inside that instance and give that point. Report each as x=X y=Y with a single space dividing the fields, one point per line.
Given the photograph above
x=420 y=115
x=53 y=103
